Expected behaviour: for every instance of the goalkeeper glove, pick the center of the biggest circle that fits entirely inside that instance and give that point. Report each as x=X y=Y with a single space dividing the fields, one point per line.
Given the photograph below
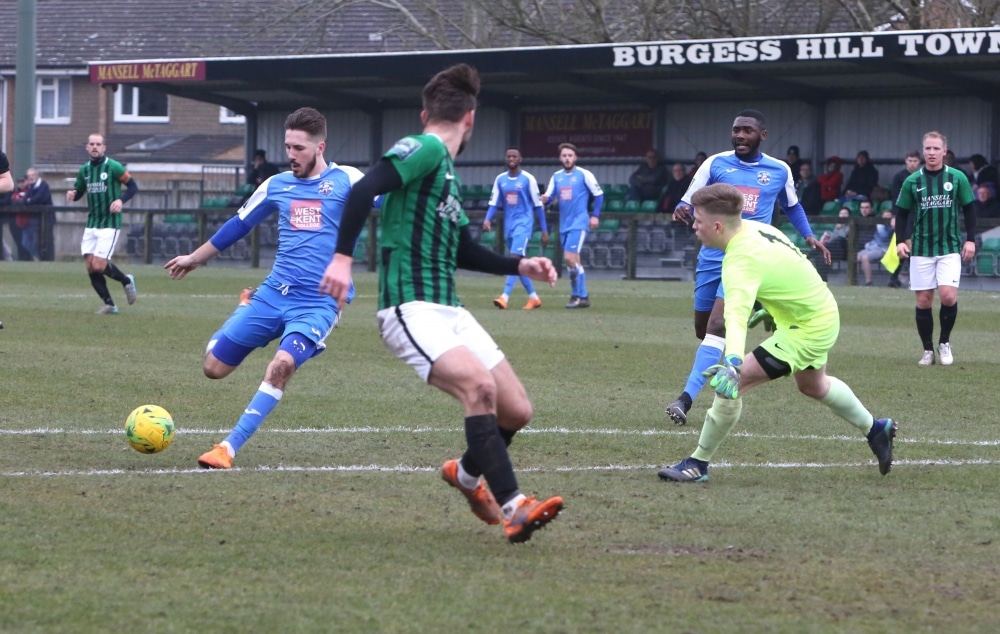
x=762 y=316
x=726 y=376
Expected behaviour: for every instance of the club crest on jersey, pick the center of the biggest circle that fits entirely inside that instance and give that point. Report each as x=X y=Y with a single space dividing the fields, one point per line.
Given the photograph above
x=325 y=187
x=763 y=178
x=405 y=147
x=948 y=187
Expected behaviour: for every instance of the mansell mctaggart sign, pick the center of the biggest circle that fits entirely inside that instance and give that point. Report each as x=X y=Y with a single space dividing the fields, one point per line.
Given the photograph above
x=137 y=72
x=809 y=48
x=595 y=133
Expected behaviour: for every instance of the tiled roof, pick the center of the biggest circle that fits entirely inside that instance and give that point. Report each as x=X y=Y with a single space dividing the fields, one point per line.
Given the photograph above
x=201 y=148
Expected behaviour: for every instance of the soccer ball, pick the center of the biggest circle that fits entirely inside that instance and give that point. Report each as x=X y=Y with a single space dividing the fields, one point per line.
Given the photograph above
x=149 y=429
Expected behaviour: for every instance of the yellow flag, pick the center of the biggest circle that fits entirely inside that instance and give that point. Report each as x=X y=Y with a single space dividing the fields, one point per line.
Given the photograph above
x=891 y=259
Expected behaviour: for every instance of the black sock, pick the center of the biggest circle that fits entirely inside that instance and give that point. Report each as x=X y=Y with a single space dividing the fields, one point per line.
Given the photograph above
x=947 y=315
x=685 y=400
x=115 y=273
x=925 y=327
x=469 y=465
x=487 y=450
x=97 y=281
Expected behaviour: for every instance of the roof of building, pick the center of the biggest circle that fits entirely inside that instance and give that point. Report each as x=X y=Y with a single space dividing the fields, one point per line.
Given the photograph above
x=143 y=148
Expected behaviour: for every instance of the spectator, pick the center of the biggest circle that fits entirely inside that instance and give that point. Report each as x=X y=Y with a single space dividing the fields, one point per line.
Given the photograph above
x=863 y=178
x=36 y=241
x=699 y=158
x=987 y=205
x=875 y=248
x=981 y=171
x=913 y=162
x=261 y=170
x=808 y=189
x=679 y=181
x=794 y=162
x=831 y=180
x=6 y=187
x=649 y=179
x=949 y=160
x=835 y=242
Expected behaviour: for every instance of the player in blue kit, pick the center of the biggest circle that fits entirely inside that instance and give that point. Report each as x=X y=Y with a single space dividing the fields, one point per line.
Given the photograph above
x=309 y=201
x=764 y=182
x=573 y=188
x=516 y=192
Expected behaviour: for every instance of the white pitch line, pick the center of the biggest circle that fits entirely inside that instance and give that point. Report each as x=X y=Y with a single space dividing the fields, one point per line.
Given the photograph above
x=372 y=468
x=44 y=431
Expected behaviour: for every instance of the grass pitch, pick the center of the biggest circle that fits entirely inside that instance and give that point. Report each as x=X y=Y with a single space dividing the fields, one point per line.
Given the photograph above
x=336 y=519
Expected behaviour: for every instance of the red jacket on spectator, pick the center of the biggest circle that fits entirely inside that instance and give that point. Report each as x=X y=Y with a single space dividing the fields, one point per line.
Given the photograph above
x=830 y=181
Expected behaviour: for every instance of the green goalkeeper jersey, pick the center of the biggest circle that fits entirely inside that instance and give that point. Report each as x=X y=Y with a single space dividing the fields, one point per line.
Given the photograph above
x=934 y=200
x=103 y=185
x=762 y=264
x=420 y=225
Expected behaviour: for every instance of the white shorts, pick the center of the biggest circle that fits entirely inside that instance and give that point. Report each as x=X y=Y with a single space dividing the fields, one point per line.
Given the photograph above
x=99 y=242
x=420 y=332
x=928 y=273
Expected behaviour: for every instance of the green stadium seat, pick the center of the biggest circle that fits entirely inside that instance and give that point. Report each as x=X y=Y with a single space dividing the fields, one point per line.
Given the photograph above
x=830 y=208
x=245 y=189
x=986 y=264
x=488 y=239
x=885 y=205
x=991 y=245
x=608 y=224
x=648 y=207
x=632 y=206
x=614 y=206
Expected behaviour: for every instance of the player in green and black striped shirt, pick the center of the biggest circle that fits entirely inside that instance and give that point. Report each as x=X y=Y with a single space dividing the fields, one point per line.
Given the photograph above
x=101 y=179
x=425 y=237
x=934 y=194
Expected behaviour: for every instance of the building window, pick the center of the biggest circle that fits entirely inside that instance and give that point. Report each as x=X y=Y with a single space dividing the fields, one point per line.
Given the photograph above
x=228 y=116
x=53 y=100
x=140 y=105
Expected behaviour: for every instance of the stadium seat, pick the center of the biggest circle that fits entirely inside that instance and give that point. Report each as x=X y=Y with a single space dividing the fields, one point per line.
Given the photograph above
x=830 y=208
x=614 y=206
x=632 y=206
x=885 y=205
x=648 y=207
x=986 y=264
x=609 y=224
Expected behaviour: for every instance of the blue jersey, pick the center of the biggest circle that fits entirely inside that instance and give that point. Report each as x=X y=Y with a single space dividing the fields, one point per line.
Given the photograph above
x=309 y=212
x=764 y=182
x=519 y=199
x=573 y=190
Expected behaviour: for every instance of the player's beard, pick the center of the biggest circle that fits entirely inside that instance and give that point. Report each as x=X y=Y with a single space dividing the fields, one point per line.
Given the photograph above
x=305 y=169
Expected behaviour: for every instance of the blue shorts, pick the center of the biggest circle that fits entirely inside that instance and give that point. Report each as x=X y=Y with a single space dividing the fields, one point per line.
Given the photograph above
x=518 y=243
x=572 y=241
x=707 y=287
x=276 y=311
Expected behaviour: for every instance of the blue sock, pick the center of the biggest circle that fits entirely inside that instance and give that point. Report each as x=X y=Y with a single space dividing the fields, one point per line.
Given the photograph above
x=265 y=400
x=708 y=354
x=581 y=283
x=508 y=288
x=528 y=286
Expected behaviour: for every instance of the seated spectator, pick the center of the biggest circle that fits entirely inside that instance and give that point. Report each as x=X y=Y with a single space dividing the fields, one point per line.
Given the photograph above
x=831 y=180
x=808 y=189
x=835 y=241
x=987 y=205
x=875 y=248
x=981 y=172
x=794 y=162
x=949 y=159
x=261 y=169
x=699 y=158
x=863 y=178
x=648 y=180
x=679 y=181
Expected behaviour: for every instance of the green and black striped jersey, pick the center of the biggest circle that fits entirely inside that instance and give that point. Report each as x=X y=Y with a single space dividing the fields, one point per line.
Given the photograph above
x=103 y=184
x=421 y=222
x=934 y=200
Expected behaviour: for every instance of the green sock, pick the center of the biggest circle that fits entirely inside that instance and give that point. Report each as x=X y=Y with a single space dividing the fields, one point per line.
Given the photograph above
x=719 y=420
x=842 y=402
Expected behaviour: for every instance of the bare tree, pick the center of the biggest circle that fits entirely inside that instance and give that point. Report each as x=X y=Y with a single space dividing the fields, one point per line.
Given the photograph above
x=457 y=24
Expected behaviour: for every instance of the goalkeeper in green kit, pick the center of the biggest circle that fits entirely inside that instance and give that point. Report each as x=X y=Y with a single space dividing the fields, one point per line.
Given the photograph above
x=761 y=263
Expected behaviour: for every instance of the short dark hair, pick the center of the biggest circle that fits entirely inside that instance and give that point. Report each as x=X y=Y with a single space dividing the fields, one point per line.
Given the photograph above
x=259 y=152
x=978 y=161
x=308 y=120
x=719 y=199
x=567 y=146
x=450 y=94
x=757 y=115
x=913 y=154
